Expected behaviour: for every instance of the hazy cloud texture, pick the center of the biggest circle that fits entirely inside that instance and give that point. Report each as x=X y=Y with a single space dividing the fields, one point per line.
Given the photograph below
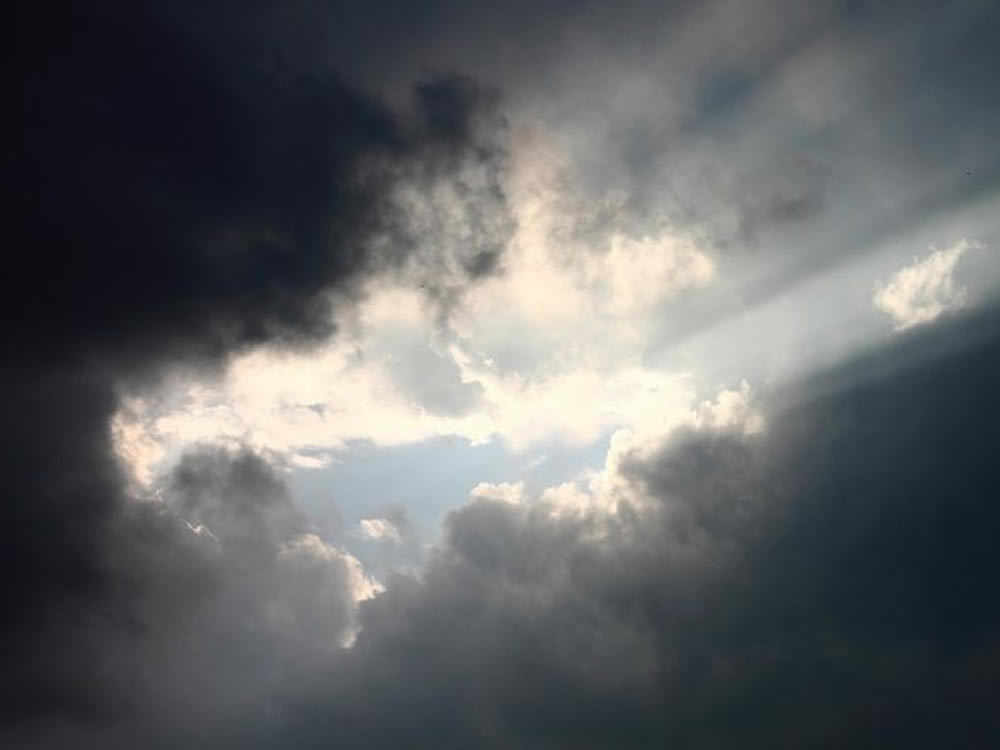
x=192 y=181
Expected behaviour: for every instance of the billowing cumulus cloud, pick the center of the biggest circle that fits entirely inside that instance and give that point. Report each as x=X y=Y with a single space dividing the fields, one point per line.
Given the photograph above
x=189 y=183
x=244 y=239
x=516 y=351
x=823 y=581
x=925 y=289
x=717 y=168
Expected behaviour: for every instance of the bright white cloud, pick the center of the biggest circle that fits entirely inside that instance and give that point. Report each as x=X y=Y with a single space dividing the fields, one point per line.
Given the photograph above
x=606 y=488
x=731 y=409
x=379 y=529
x=547 y=349
x=923 y=290
x=319 y=461
x=573 y=265
x=137 y=449
x=508 y=492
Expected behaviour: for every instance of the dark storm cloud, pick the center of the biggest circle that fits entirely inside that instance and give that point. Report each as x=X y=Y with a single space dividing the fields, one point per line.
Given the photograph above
x=188 y=179
x=191 y=179
x=221 y=604
x=828 y=583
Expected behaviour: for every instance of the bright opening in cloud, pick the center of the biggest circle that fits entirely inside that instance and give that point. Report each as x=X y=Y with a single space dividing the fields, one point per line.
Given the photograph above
x=543 y=403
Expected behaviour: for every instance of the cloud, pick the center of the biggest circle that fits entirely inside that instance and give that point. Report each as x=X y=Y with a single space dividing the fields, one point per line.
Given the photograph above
x=506 y=492
x=550 y=347
x=379 y=529
x=220 y=592
x=300 y=461
x=190 y=185
x=925 y=289
x=771 y=588
x=294 y=405
x=752 y=588
x=235 y=223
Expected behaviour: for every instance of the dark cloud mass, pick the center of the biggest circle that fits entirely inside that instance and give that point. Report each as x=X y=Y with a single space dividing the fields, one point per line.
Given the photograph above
x=828 y=583
x=213 y=175
x=191 y=179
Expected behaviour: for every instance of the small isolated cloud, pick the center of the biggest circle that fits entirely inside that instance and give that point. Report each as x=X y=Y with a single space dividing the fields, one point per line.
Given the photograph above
x=925 y=289
x=303 y=461
x=508 y=492
x=379 y=529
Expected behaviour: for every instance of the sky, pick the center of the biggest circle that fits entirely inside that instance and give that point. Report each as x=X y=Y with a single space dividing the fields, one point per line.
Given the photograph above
x=522 y=375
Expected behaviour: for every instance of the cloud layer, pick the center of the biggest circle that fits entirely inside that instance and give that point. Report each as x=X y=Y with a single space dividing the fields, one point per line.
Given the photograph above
x=189 y=183
x=200 y=189
x=825 y=581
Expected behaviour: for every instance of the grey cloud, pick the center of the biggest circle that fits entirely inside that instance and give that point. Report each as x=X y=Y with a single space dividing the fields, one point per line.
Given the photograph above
x=806 y=139
x=240 y=501
x=430 y=378
x=826 y=583
x=189 y=181
x=222 y=604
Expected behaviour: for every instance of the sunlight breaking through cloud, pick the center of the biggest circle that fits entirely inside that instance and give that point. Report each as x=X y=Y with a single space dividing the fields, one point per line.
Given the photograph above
x=925 y=289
